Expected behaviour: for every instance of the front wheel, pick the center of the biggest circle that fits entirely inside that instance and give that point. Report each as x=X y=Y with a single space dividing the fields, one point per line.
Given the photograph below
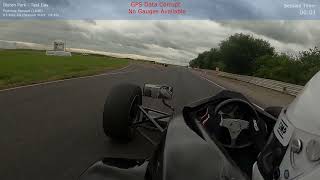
x=120 y=110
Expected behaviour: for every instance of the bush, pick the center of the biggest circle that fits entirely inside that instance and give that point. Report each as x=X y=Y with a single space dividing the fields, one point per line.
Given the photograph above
x=279 y=67
x=208 y=60
x=240 y=51
x=244 y=54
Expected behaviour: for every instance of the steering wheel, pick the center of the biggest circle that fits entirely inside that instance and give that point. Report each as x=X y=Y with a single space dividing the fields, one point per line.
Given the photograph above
x=236 y=124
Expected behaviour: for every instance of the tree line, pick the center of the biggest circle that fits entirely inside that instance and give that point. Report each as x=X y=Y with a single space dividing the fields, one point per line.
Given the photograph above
x=247 y=55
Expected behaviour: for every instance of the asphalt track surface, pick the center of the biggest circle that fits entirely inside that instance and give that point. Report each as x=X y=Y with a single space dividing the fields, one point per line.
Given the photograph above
x=53 y=131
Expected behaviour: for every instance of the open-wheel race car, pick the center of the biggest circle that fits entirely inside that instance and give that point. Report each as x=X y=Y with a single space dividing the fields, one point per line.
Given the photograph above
x=220 y=137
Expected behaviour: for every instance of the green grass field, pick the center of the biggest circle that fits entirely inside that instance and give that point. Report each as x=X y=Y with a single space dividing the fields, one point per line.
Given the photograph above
x=22 y=67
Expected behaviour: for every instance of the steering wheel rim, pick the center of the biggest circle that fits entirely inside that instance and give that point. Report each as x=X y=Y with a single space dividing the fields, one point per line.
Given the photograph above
x=236 y=125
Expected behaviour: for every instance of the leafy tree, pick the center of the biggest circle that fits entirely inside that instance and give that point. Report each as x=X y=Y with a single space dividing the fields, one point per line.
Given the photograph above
x=199 y=61
x=279 y=67
x=310 y=60
x=208 y=60
x=240 y=51
x=244 y=54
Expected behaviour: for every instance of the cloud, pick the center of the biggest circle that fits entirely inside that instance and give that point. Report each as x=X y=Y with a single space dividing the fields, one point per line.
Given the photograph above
x=297 y=32
x=196 y=10
x=172 y=41
x=175 y=41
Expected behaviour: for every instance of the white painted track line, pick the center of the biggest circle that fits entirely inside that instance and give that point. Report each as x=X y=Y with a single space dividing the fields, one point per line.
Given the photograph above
x=225 y=88
x=212 y=82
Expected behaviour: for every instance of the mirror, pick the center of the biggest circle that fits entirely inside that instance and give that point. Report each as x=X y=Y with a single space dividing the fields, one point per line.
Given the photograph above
x=158 y=91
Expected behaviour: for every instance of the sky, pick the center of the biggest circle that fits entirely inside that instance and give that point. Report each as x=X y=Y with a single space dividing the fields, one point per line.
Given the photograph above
x=174 y=41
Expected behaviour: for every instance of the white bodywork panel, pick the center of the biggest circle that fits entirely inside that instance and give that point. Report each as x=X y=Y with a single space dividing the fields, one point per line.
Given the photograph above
x=256 y=175
x=297 y=165
x=304 y=116
x=301 y=120
x=304 y=111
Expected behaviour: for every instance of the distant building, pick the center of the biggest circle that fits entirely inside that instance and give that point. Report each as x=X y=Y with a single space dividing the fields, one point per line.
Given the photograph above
x=59 y=45
x=59 y=49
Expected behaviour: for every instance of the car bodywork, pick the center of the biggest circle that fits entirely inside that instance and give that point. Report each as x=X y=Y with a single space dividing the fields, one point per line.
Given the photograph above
x=297 y=133
x=184 y=152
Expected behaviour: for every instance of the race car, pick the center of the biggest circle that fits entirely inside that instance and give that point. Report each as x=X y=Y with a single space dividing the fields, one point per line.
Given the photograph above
x=220 y=137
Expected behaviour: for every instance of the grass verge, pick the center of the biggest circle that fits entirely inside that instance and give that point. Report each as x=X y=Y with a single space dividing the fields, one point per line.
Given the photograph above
x=23 y=67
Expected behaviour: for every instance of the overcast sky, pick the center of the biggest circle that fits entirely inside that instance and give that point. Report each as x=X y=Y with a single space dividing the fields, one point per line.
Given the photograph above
x=176 y=41
x=196 y=9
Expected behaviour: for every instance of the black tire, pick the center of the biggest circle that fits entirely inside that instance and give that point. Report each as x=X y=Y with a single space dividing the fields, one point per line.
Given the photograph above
x=120 y=109
x=274 y=111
